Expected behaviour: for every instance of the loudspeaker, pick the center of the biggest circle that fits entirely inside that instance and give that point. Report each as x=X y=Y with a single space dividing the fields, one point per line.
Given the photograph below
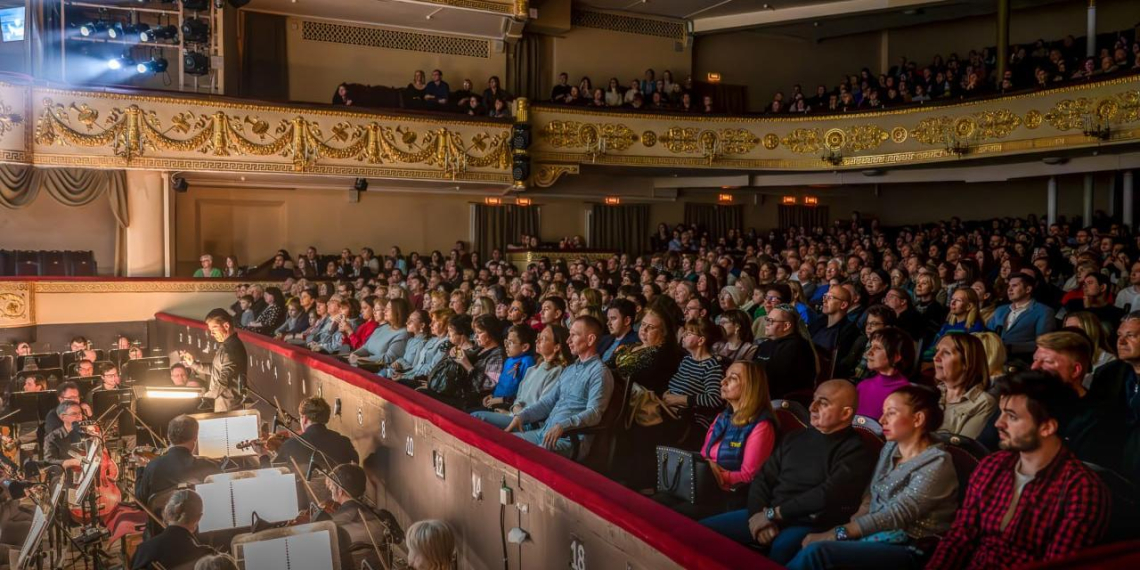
x=520 y=136
x=360 y=185
x=521 y=170
x=179 y=184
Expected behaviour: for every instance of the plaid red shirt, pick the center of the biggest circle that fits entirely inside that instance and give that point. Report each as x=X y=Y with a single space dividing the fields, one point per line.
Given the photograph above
x=1062 y=510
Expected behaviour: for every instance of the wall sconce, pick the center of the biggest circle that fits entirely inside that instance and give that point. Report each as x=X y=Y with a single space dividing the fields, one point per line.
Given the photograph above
x=714 y=77
x=811 y=200
x=788 y=200
x=612 y=200
x=724 y=198
x=492 y=201
x=522 y=201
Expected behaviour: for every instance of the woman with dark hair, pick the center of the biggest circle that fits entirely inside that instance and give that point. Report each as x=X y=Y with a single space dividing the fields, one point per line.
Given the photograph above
x=272 y=315
x=304 y=269
x=493 y=92
x=553 y=355
x=853 y=366
x=357 y=337
x=484 y=363
x=913 y=494
x=232 y=269
x=738 y=338
x=341 y=97
x=890 y=352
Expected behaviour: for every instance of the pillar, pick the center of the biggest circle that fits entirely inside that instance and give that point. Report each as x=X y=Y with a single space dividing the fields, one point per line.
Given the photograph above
x=1090 y=30
x=1051 y=207
x=147 y=236
x=1087 y=211
x=1126 y=199
x=1002 y=38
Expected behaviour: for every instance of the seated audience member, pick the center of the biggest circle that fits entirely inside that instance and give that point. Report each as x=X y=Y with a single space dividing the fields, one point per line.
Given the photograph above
x=332 y=448
x=619 y=321
x=650 y=362
x=483 y=364
x=738 y=342
x=832 y=331
x=434 y=350
x=207 y=269
x=963 y=317
x=926 y=289
x=272 y=316
x=1127 y=296
x=889 y=353
x=369 y=321
x=176 y=545
x=389 y=340
x=318 y=317
x=578 y=399
x=431 y=545
x=906 y=316
x=788 y=356
x=244 y=315
x=739 y=440
x=1022 y=320
x=1096 y=289
x=1034 y=500
x=812 y=482
x=296 y=320
x=961 y=373
x=912 y=495
x=562 y=89
x=181 y=377
x=436 y=92
x=854 y=365
x=519 y=357
x=550 y=345
x=1117 y=385
x=1097 y=335
x=418 y=337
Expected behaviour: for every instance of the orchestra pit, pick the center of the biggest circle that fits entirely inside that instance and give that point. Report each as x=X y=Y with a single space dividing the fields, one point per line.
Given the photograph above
x=585 y=284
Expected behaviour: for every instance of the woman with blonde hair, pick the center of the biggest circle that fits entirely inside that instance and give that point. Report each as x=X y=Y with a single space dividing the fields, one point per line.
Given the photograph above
x=960 y=368
x=995 y=354
x=431 y=545
x=962 y=317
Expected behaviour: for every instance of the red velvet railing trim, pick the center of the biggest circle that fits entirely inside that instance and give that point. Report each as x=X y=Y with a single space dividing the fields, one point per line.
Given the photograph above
x=684 y=541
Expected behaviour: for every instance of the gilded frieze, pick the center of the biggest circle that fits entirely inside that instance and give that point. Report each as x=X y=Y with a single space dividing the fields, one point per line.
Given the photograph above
x=803 y=141
x=548 y=174
x=8 y=119
x=680 y=140
x=1069 y=114
x=771 y=141
x=602 y=137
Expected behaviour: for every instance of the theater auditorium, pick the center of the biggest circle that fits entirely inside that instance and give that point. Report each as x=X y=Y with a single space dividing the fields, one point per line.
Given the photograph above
x=569 y=284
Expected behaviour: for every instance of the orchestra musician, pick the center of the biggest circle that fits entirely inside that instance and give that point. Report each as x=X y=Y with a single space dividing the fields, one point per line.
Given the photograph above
x=347 y=485
x=66 y=392
x=227 y=370
x=111 y=381
x=177 y=465
x=60 y=442
x=334 y=448
x=85 y=368
x=180 y=377
x=175 y=546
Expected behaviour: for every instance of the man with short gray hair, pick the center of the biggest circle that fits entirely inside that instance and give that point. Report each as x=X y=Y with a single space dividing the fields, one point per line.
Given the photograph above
x=207 y=269
x=176 y=545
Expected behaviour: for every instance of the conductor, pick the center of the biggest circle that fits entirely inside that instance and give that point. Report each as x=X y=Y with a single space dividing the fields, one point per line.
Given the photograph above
x=227 y=371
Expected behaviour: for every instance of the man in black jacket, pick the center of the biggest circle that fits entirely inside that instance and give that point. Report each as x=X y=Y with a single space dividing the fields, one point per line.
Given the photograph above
x=227 y=371
x=176 y=545
x=787 y=356
x=333 y=448
x=814 y=479
x=177 y=465
x=832 y=332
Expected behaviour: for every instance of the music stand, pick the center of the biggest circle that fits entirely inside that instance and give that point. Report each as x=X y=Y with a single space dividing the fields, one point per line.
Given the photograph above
x=229 y=502
x=119 y=355
x=155 y=407
x=41 y=520
x=312 y=546
x=32 y=406
x=104 y=401
x=42 y=360
x=219 y=433
x=51 y=375
x=137 y=368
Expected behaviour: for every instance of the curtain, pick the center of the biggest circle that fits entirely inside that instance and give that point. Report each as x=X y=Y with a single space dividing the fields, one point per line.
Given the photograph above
x=716 y=219
x=20 y=185
x=497 y=226
x=731 y=99
x=806 y=216
x=265 y=70
x=623 y=229
x=524 y=74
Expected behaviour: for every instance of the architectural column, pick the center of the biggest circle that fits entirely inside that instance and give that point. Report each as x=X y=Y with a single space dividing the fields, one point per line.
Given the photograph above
x=1087 y=211
x=1126 y=199
x=1051 y=207
x=147 y=236
x=1002 y=38
x=1090 y=30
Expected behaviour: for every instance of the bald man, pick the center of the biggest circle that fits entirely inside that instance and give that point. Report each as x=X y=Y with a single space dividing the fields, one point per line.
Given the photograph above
x=833 y=331
x=813 y=481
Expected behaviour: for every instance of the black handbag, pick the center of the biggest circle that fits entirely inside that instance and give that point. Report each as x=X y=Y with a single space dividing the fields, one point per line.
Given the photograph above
x=685 y=475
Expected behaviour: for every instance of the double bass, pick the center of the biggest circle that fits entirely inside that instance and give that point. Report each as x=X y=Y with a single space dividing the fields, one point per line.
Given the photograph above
x=108 y=496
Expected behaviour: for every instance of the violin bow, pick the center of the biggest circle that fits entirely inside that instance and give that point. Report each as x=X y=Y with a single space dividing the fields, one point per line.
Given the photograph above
x=379 y=555
x=308 y=488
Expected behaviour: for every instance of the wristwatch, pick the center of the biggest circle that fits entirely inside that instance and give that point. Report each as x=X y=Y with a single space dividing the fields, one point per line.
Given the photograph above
x=840 y=532
x=770 y=513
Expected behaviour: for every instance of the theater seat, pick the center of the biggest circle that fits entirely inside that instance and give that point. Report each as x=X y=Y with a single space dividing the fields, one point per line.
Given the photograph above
x=51 y=264
x=966 y=454
x=868 y=424
x=26 y=269
x=790 y=411
x=79 y=263
x=1124 y=522
x=600 y=457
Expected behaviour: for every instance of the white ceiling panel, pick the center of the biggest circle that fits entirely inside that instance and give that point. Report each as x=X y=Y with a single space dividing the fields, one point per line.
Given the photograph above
x=393 y=13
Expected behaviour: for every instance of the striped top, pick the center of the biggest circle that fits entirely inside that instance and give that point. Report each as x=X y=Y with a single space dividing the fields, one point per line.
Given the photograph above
x=701 y=381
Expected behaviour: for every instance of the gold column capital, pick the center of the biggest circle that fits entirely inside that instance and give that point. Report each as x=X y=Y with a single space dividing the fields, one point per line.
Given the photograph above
x=522 y=9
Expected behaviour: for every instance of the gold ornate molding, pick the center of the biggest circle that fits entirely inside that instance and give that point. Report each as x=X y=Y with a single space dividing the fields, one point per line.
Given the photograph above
x=17 y=305
x=547 y=174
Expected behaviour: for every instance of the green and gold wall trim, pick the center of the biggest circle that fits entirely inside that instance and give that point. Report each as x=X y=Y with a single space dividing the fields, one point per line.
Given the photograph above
x=1102 y=113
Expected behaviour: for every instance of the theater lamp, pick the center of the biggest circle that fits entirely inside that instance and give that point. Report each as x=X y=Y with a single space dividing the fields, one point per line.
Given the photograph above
x=172 y=393
x=613 y=201
x=92 y=29
x=195 y=30
x=122 y=62
x=195 y=63
x=788 y=200
x=155 y=65
x=159 y=33
x=132 y=33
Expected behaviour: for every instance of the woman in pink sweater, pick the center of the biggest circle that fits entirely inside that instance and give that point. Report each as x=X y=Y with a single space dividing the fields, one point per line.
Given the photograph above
x=741 y=438
x=890 y=351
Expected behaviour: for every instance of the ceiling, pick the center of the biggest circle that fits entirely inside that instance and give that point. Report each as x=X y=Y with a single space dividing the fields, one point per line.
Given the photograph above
x=689 y=9
x=422 y=16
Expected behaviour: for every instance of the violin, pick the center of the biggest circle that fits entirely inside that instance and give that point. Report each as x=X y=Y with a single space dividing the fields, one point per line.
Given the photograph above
x=9 y=449
x=271 y=442
x=306 y=516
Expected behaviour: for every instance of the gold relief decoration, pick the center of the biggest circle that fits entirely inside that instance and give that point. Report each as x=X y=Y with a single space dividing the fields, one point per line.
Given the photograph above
x=1107 y=109
x=864 y=137
x=736 y=141
x=996 y=124
x=1069 y=114
x=8 y=119
x=964 y=127
x=899 y=135
x=13 y=306
x=1033 y=119
x=649 y=138
x=680 y=139
x=132 y=132
x=548 y=174
x=803 y=141
x=17 y=302
x=834 y=139
x=1128 y=107
x=603 y=137
x=771 y=141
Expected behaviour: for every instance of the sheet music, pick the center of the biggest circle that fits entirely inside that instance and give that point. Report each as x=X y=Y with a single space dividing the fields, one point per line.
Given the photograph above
x=310 y=551
x=218 y=437
x=39 y=523
x=274 y=498
x=217 y=506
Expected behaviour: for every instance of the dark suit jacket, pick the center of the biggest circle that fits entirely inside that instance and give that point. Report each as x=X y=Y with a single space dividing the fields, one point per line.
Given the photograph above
x=790 y=364
x=59 y=443
x=175 y=546
x=227 y=371
x=174 y=467
x=336 y=447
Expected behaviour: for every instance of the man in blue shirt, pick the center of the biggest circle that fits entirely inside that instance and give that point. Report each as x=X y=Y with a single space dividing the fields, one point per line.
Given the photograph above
x=578 y=399
x=619 y=319
x=437 y=90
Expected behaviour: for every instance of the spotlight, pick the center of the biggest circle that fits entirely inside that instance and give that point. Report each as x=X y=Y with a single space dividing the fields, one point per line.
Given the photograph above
x=132 y=33
x=155 y=65
x=195 y=30
x=159 y=33
x=195 y=63
x=91 y=29
x=122 y=62
x=360 y=185
x=195 y=4
x=115 y=31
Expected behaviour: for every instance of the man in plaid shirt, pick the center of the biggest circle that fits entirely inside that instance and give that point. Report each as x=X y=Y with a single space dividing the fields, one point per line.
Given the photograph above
x=1034 y=500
